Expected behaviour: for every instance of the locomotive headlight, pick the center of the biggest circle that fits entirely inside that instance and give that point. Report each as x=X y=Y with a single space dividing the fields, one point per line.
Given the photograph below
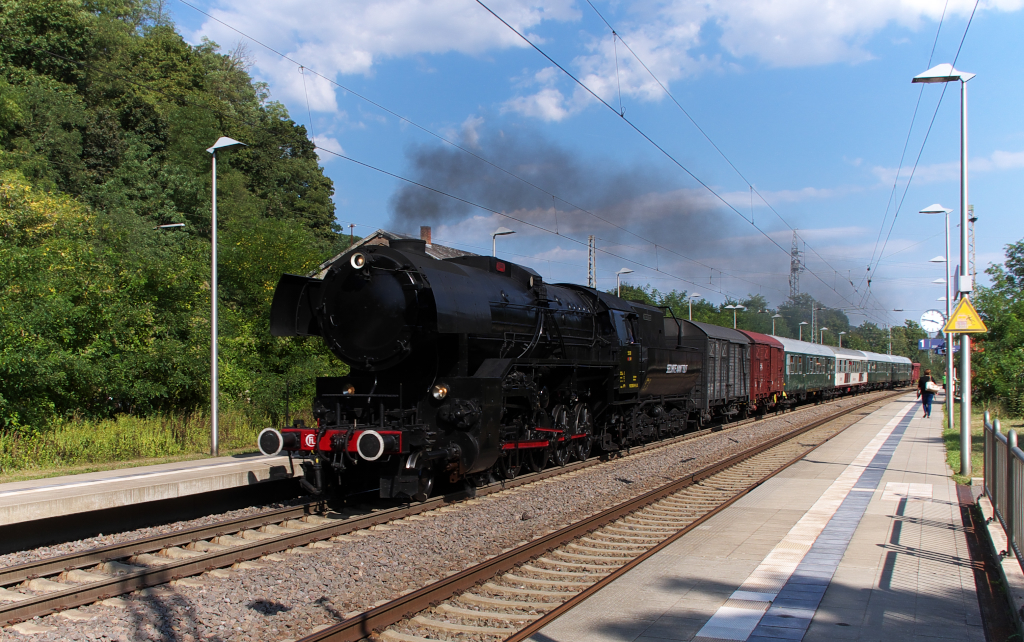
x=357 y=261
x=439 y=391
x=348 y=390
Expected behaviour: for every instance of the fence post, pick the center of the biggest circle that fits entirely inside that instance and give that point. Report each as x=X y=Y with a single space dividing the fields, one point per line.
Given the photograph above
x=996 y=431
x=986 y=473
x=1011 y=500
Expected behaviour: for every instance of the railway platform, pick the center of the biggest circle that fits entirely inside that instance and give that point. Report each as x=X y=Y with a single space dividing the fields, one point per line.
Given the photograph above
x=860 y=540
x=78 y=504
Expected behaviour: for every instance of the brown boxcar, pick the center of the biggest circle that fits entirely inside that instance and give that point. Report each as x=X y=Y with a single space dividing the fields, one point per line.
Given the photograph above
x=767 y=364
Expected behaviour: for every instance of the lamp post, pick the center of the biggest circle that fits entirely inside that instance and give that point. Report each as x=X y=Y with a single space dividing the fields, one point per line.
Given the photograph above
x=618 y=280
x=689 y=303
x=501 y=231
x=802 y=324
x=775 y=316
x=821 y=336
x=946 y=73
x=222 y=143
x=841 y=339
x=938 y=209
x=734 y=308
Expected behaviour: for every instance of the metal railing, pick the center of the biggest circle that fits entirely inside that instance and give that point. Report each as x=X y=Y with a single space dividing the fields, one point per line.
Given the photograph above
x=1004 y=482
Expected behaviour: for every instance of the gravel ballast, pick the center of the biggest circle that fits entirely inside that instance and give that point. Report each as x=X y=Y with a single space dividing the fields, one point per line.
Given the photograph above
x=296 y=592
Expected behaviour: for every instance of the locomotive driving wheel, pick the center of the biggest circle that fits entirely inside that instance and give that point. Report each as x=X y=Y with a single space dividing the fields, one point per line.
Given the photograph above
x=537 y=458
x=561 y=440
x=510 y=463
x=583 y=424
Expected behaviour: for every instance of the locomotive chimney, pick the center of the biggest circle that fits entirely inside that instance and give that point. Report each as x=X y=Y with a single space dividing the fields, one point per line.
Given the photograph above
x=425 y=234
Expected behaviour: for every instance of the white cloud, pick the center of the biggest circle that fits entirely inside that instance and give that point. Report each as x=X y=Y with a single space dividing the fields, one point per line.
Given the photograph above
x=328 y=143
x=339 y=38
x=998 y=160
x=348 y=37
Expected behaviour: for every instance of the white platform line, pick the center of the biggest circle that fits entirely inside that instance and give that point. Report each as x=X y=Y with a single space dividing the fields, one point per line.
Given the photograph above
x=109 y=480
x=765 y=582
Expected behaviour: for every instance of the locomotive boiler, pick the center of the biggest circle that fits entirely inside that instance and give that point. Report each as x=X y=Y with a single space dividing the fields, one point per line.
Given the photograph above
x=471 y=367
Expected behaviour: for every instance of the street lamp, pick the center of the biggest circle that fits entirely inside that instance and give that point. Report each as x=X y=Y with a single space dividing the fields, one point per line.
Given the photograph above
x=821 y=336
x=618 y=280
x=689 y=303
x=501 y=231
x=734 y=308
x=938 y=209
x=802 y=324
x=775 y=316
x=946 y=73
x=841 y=339
x=222 y=143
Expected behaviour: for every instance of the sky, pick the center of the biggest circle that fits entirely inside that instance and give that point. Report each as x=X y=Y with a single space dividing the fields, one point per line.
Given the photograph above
x=690 y=138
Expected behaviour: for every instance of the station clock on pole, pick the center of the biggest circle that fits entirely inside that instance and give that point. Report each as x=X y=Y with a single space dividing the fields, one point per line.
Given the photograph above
x=932 y=321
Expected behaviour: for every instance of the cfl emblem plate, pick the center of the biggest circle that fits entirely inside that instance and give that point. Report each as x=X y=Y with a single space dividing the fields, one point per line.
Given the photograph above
x=675 y=368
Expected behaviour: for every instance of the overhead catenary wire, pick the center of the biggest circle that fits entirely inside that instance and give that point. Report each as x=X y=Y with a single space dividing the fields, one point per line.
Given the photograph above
x=508 y=216
x=654 y=143
x=462 y=147
x=753 y=190
x=394 y=175
x=928 y=132
x=906 y=142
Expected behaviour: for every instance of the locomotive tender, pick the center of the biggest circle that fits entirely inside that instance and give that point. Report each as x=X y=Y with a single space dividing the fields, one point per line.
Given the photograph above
x=472 y=366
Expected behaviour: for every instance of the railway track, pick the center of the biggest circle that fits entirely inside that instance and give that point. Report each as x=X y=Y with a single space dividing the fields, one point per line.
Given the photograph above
x=515 y=594
x=60 y=583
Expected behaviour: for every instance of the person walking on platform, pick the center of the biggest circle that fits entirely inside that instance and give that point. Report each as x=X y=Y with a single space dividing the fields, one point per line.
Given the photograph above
x=926 y=389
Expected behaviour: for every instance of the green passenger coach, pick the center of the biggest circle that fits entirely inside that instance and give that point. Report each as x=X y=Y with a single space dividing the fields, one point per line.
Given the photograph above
x=809 y=369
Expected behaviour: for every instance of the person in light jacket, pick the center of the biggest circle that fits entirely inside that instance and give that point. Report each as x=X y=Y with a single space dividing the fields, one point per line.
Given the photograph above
x=924 y=393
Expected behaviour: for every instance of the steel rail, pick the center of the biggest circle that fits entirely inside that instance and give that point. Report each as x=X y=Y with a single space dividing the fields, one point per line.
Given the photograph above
x=74 y=596
x=378 y=618
x=51 y=565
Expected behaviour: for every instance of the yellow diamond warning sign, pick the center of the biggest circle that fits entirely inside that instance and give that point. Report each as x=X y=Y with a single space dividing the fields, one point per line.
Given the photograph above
x=965 y=319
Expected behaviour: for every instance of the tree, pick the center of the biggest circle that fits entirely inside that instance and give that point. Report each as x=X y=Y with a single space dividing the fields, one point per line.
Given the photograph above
x=998 y=355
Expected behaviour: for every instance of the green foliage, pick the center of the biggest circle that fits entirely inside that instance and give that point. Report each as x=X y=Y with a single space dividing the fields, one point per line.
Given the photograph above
x=105 y=118
x=998 y=355
x=74 y=442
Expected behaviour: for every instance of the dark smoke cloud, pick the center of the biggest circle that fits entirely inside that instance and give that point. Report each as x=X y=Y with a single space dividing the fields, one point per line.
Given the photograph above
x=615 y=193
x=649 y=201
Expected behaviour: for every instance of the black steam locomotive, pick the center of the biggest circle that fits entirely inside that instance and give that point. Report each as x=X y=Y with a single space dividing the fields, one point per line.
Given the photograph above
x=472 y=367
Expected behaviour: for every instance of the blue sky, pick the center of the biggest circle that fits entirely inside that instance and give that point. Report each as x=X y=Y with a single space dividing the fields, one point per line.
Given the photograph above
x=810 y=101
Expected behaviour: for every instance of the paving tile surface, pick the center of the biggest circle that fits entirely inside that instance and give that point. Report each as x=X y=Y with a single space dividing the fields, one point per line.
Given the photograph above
x=895 y=568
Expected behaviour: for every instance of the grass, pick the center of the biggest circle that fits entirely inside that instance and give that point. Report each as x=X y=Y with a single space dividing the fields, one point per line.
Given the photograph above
x=952 y=437
x=70 y=446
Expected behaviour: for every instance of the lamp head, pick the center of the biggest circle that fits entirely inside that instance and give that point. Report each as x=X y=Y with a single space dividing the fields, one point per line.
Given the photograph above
x=804 y=323
x=694 y=296
x=776 y=316
x=935 y=208
x=502 y=231
x=225 y=142
x=938 y=259
x=942 y=73
x=625 y=271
